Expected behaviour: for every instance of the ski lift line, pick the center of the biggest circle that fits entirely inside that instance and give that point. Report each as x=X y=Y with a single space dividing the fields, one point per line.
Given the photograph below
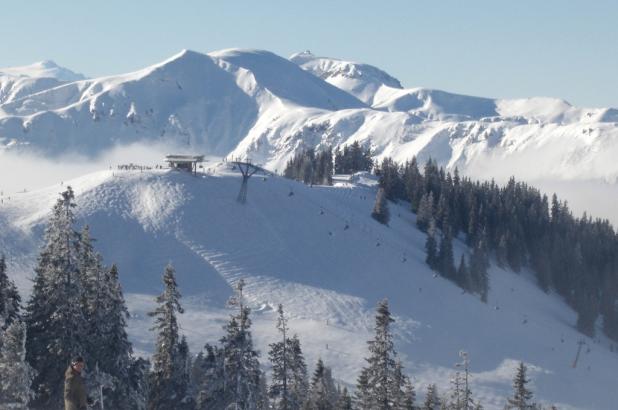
x=341 y=218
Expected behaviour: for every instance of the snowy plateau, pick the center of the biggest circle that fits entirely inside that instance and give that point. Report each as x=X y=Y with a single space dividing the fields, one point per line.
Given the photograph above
x=294 y=250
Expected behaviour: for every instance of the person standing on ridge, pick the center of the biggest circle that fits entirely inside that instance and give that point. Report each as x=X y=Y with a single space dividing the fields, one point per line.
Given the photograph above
x=75 y=395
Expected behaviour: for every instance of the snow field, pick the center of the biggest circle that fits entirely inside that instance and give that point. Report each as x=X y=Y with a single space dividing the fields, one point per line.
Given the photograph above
x=296 y=250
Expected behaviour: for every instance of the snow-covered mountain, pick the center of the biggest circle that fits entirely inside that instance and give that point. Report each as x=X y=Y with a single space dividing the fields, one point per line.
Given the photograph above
x=18 y=82
x=255 y=104
x=296 y=250
x=361 y=80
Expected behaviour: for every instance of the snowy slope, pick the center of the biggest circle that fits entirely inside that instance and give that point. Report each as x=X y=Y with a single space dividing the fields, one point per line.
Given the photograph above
x=295 y=250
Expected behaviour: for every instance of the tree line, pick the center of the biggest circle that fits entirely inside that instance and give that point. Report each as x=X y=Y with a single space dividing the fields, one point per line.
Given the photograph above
x=576 y=257
x=77 y=307
x=317 y=168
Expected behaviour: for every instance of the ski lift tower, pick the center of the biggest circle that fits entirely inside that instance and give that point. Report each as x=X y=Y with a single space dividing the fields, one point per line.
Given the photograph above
x=247 y=169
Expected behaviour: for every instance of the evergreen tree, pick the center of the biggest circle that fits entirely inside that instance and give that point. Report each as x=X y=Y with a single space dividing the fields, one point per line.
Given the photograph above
x=108 y=346
x=353 y=159
x=279 y=357
x=56 y=324
x=323 y=393
x=345 y=401
x=288 y=389
x=390 y=179
x=461 y=396
x=446 y=264
x=166 y=370
x=462 y=276
x=183 y=390
x=432 y=398
x=210 y=380
x=9 y=299
x=384 y=377
x=478 y=271
x=522 y=397
x=16 y=375
x=431 y=246
x=425 y=213
x=403 y=394
x=362 y=397
x=466 y=393
x=299 y=385
x=410 y=397
x=116 y=355
x=380 y=210
x=414 y=185
x=501 y=251
x=139 y=377
x=455 y=398
x=242 y=374
x=311 y=168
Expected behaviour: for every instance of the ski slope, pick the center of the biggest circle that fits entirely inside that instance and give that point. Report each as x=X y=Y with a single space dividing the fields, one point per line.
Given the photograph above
x=296 y=250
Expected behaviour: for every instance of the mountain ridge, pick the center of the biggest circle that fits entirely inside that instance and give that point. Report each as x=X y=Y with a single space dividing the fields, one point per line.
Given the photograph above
x=253 y=103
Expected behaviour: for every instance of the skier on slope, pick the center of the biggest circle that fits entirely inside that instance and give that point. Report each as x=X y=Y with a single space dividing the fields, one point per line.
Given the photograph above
x=75 y=395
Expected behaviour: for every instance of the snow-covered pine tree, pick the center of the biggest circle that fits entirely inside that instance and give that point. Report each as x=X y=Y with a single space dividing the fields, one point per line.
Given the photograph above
x=9 y=298
x=466 y=393
x=403 y=395
x=461 y=395
x=299 y=385
x=183 y=391
x=431 y=246
x=56 y=324
x=166 y=370
x=362 y=396
x=478 y=269
x=279 y=358
x=381 y=368
x=108 y=345
x=288 y=389
x=16 y=375
x=97 y=382
x=462 y=275
x=410 y=396
x=380 y=209
x=242 y=374
x=455 y=397
x=139 y=375
x=345 y=401
x=522 y=398
x=432 y=398
x=211 y=389
x=425 y=212
x=116 y=358
x=446 y=264
x=323 y=392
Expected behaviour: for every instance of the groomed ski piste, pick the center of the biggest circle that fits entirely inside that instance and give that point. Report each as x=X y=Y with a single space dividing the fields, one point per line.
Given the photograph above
x=291 y=245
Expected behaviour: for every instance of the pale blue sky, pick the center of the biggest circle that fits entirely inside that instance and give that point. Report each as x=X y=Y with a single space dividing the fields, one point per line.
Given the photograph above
x=492 y=48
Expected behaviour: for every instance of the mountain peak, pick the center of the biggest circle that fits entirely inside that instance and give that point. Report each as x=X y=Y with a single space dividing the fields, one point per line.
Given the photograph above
x=302 y=56
x=47 y=64
x=43 y=69
x=361 y=80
